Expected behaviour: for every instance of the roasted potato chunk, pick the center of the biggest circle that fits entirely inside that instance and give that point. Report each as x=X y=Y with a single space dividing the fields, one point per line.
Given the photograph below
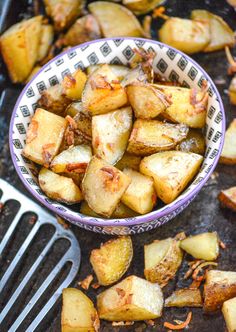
x=229 y=312
x=119 y=70
x=59 y=187
x=152 y=102
x=135 y=76
x=202 y=246
x=19 y=47
x=131 y=299
x=188 y=106
x=78 y=312
x=121 y=211
x=110 y=134
x=103 y=185
x=44 y=137
x=141 y=6
x=107 y=13
x=219 y=287
x=227 y=198
x=194 y=142
x=84 y=29
x=150 y=136
x=140 y=196
x=186 y=35
x=53 y=100
x=128 y=160
x=46 y=39
x=33 y=72
x=171 y=171
x=112 y=260
x=73 y=85
x=162 y=260
x=103 y=92
x=228 y=154
x=186 y=297
x=75 y=159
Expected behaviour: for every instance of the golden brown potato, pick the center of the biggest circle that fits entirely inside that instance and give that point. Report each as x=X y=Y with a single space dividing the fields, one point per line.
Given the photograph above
x=119 y=70
x=33 y=72
x=150 y=136
x=194 y=142
x=112 y=260
x=152 y=102
x=63 y=12
x=140 y=196
x=162 y=260
x=219 y=287
x=78 y=312
x=186 y=107
x=128 y=160
x=110 y=134
x=46 y=39
x=73 y=85
x=232 y=91
x=229 y=312
x=53 y=100
x=84 y=29
x=131 y=299
x=121 y=211
x=19 y=48
x=141 y=6
x=227 y=198
x=103 y=185
x=44 y=137
x=186 y=297
x=228 y=154
x=103 y=92
x=59 y=187
x=186 y=35
x=115 y=20
x=171 y=171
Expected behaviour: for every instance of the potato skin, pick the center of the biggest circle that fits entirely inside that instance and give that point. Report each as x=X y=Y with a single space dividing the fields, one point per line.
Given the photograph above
x=227 y=198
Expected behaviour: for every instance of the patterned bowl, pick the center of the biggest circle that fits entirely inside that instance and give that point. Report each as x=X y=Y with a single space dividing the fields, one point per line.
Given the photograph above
x=171 y=64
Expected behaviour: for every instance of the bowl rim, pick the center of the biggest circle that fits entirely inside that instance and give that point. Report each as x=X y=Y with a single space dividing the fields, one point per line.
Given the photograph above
x=140 y=219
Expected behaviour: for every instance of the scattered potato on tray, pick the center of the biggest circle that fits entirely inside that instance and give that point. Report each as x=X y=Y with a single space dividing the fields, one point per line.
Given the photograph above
x=219 y=287
x=128 y=160
x=227 y=198
x=103 y=186
x=186 y=297
x=73 y=85
x=103 y=92
x=44 y=136
x=130 y=300
x=110 y=134
x=232 y=91
x=228 y=154
x=162 y=260
x=107 y=13
x=19 y=47
x=151 y=136
x=229 y=312
x=141 y=6
x=171 y=171
x=46 y=39
x=140 y=196
x=202 y=246
x=78 y=312
x=59 y=187
x=53 y=100
x=194 y=142
x=112 y=260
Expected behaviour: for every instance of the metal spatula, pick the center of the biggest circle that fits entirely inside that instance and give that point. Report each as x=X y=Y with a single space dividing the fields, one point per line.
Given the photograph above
x=71 y=254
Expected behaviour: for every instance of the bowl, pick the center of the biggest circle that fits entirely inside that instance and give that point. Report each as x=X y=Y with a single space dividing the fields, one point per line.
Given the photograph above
x=170 y=63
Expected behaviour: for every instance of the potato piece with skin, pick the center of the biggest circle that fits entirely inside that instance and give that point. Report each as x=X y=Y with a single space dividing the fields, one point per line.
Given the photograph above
x=19 y=48
x=78 y=312
x=121 y=211
x=152 y=103
x=110 y=134
x=186 y=35
x=73 y=85
x=171 y=171
x=130 y=300
x=103 y=185
x=150 y=136
x=103 y=92
x=228 y=154
x=44 y=137
x=162 y=260
x=186 y=107
x=141 y=6
x=219 y=287
x=112 y=260
x=202 y=246
x=194 y=142
x=107 y=13
x=59 y=187
x=128 y=160
x=229 y=313
x=140 y=196
x=119 y=70
x=46 y=39
x=186 y=297
x=227 y=198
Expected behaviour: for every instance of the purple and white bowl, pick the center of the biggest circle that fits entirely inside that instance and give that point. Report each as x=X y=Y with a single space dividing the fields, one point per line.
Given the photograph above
x=168 y=62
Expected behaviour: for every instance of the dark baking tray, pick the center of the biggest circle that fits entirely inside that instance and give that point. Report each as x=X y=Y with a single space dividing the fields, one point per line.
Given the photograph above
x=203 y=214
